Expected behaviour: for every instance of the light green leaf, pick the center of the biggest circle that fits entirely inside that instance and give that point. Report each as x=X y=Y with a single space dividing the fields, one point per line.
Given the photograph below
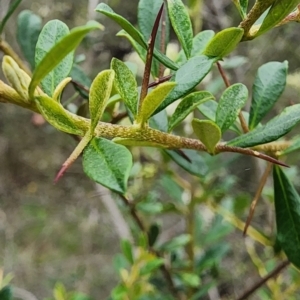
x=66 y=45
x=99 y=94
x=127 y=250
x=295 y=145
x=176 y=243
x=125 y=84
x=279 y=10
x=196 y=166
x=230 y=104
x=208 y=133
x=190 y=279
x=50 y=35
x=150 y=266
x=108 y=164
x=12 y=7
x=224 y=42
x=181 y=24
x=268 y=86
x=287 y=208
x=200 y=42
x=187 y=105
x=209 y=109
x=244 y=7
x=187 y=78
x=153 y=100
x=60 y=118
x=134 y=33
x=29 y=26
x=60 y=87
x=273 y=130
x=147 y=13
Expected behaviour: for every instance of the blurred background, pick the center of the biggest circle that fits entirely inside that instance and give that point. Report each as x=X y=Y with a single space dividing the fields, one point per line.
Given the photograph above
x=68 y=232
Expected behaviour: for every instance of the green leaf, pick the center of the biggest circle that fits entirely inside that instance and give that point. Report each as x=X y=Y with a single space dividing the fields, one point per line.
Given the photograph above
x=99 y=94
x=127 y=250
x=176 y=243
x=268 y=86
x=125 y=84
x=108 y=164
x=208 y=133
x=29 y=26
x=187 y=78
x=287 y=208
x=190 y=279
x=12 y=7
x=153 y=100
x=293 y=147
x=273 y=130
x=224 y=42
x=244 y=7
x=66 y=45
x=230 y=104
x=150 y=208
x=203 y=291
x=60 y=118
x=187 y=105
x=279 y=10
x=200 y=42
x=196 y=166
x=134 y=33
x=153 y=234
x=151 y=266
x=147 y=13
x=50 y=35
x=78 y=75
x=181 y=24
x=6 y=293
x=209 y=109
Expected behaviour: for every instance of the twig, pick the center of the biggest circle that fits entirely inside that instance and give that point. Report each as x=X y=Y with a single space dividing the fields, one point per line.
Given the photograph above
x=262 y=183
x=160 y=80
x=227 y=84
x=259 y=284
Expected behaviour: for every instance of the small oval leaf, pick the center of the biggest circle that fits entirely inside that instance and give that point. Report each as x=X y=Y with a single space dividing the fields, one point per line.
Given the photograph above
x=108 y=164
x=224 y=42
x=230 y=104
x=99 y=94
x=134 y=33
x=60 y=118
x=187 y=78
x=273 y=130
x=187 y=105
x=279 y=10
x=66 y=45
x=181 y=24
x=287 y=208
x=208 y=133
x=50 y=35
x=125 y=84
x=153 y=100
x=268 y=86
x=6 y=293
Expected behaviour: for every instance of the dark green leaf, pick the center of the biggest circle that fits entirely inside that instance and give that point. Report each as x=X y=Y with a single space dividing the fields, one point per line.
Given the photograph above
x=127 y=250
x=50 y=35
x=6 y=293
x=273 y=130
x=188 y=77
x=196 y=166
x=208 y=133
x=159 y=121
x=153 y=233
x=244 y=7
x=176 y=243
x=224 y=42
x=287 y=208
x=125 y=84
x=12 y=7
x=187 y=105
x=230 y=104
x=153 y=100
x=108 y=164
x=99 y=94
x=134 y=33
x=60 y=118
x=268 y=86
x=78 y=75
x=279 y=10
x=66 y=45
x=28 y=30
x=181 y=24
x=203 y=291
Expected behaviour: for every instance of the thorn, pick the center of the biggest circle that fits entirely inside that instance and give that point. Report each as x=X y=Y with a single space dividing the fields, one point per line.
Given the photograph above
x=61 y=172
